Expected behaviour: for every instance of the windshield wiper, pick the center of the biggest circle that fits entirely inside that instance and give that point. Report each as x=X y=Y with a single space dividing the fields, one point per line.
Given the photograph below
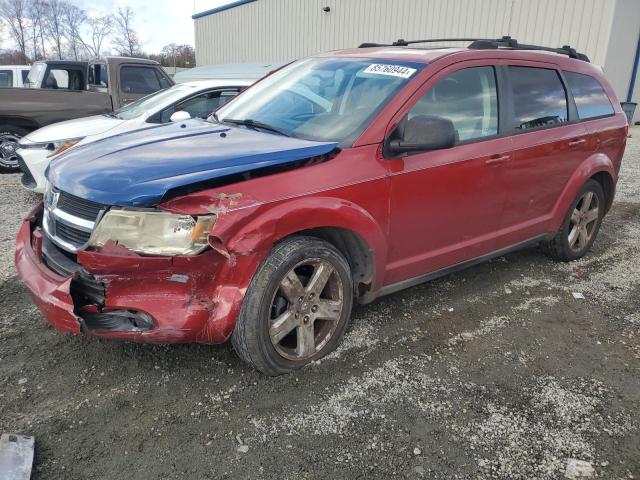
x=255 y=124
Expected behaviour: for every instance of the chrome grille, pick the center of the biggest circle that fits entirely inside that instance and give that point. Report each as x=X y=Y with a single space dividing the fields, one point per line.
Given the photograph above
x=79 y=207
x=68 y=220
x=71 y=234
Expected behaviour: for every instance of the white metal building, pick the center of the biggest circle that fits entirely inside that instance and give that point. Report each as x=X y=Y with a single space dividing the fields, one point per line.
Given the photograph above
x=608 y=31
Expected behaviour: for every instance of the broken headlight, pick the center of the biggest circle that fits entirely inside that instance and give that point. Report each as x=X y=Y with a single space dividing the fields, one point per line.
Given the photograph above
x=153 y=232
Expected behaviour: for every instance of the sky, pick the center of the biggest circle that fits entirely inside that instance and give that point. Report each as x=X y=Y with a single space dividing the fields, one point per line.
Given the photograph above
x=158 y=22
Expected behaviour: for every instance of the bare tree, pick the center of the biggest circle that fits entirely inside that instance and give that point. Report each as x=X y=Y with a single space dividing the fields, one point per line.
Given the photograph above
x=99 y=29
x=10 y=57
x=14 y=13
x=174 y=55
x=36 y=13
x=126 y=39
x=54 y=25
x=74 y=18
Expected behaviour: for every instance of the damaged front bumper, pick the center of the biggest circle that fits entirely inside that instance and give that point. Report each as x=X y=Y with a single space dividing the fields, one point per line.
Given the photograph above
x=126 y=296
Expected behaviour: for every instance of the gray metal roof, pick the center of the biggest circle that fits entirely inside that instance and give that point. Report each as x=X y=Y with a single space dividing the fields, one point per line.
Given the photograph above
x=221 y=9
x=251 y=71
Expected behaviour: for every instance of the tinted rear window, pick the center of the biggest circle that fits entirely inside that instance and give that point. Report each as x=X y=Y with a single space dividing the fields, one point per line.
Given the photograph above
x=539 y=97
x=590 y=98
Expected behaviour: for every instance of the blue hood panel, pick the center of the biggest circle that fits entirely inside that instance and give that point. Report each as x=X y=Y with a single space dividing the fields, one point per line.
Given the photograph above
x=138 y=168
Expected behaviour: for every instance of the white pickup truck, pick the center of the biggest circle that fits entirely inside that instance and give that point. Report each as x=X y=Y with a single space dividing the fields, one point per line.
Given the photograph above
x=13 y=75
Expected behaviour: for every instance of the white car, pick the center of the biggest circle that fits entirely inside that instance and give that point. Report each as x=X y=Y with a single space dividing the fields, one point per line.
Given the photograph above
x=13 y=75
x=180 y=102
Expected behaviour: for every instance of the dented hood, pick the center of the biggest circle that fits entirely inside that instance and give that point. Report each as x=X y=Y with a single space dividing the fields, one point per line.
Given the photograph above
x=138 y=168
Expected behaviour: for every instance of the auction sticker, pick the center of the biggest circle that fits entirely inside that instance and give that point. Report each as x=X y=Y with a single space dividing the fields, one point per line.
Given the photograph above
x=391 y=70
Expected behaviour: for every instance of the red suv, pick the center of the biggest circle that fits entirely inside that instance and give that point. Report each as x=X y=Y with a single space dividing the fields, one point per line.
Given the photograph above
x=338 y=178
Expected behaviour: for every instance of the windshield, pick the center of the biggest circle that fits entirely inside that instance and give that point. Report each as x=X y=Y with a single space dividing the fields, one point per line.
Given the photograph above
x=323 y=99
x=151 y=103
x=34 y=73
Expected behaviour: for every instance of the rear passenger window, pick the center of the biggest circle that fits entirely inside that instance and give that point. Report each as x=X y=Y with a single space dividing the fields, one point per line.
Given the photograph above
x=468 y=98
x=589 y=96
x=6 y=78
x=139 y=80
x=539 y=98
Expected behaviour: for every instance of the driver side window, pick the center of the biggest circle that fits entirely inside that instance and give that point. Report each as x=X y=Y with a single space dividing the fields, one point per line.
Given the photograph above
x=468 y=98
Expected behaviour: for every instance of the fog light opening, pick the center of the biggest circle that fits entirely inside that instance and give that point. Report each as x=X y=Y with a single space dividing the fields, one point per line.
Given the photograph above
x=116 y=321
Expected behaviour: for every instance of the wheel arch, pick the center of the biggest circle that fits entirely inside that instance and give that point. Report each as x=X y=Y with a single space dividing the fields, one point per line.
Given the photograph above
x=357 y=252
x=598 y=167
x=345 y=225
x=608 y=187
x=19 y=122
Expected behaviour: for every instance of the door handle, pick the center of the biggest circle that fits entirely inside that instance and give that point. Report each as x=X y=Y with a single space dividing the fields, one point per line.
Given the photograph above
x=577 y=143
x=496 y=160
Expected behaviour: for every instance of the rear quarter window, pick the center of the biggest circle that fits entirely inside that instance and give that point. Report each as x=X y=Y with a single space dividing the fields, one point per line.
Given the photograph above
x=539 y=98
x=591 y=99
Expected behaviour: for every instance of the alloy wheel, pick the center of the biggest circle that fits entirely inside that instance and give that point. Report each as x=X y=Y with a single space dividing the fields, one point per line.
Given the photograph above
x=8 y=146
x=583 y=222
x=306 y=309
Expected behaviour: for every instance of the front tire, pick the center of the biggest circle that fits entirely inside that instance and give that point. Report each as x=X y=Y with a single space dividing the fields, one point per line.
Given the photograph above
x=580 y=226
x=9 y=136
x=296 y=308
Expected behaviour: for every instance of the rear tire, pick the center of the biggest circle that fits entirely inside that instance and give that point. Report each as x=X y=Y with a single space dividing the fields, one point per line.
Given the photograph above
x=296 y=308
x=580 y=226
x=9 y=136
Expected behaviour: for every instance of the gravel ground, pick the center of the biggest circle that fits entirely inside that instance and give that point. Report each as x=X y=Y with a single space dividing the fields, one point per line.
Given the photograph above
x=495 y=372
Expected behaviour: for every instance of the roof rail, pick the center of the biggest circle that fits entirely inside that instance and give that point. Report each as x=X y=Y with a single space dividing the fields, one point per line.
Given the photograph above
x=486 y=44
x=406 y=43
x=509 y=42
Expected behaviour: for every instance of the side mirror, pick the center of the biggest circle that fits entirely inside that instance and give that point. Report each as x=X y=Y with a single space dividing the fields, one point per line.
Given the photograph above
x=423 y=133
x=180 y=116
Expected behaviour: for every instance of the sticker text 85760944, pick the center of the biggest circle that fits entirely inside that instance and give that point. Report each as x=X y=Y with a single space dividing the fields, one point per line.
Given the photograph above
x=391 y=70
